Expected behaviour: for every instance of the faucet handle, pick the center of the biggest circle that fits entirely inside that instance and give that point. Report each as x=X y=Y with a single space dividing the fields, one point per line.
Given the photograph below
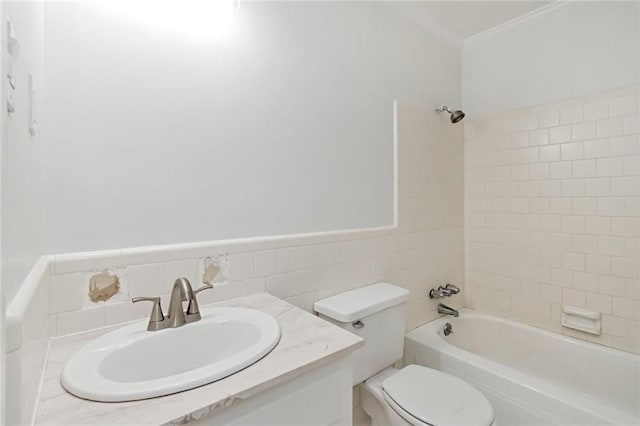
x=193 y=308
x=447 y=292
x=452 y=288
x=156 y=313
x=204 y=287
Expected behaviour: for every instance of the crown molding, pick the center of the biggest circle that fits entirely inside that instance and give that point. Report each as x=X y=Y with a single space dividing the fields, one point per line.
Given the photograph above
x=516 y=21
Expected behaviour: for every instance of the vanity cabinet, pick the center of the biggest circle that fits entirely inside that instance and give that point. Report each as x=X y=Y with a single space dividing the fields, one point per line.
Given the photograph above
x=320 y=397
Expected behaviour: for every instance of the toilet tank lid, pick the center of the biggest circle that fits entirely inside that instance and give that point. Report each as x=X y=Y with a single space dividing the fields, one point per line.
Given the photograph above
x=361 y=302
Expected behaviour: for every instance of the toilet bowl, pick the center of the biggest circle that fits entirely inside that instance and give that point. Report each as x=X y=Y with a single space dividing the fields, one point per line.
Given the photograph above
x=422 y=396
x=414 y=395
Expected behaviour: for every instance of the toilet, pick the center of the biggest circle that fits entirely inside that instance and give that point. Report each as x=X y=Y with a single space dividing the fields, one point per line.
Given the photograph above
x=414 y=395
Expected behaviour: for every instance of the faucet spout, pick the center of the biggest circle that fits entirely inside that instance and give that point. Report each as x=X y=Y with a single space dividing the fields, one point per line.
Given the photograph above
x=445 y=310
x=181 y=292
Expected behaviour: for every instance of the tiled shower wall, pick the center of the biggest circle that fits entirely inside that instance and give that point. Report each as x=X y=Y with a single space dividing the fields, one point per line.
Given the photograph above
x=552 y=214
x=425 y=250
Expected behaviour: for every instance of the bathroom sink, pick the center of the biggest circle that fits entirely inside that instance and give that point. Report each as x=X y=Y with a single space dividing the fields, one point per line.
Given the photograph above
x=131 y=363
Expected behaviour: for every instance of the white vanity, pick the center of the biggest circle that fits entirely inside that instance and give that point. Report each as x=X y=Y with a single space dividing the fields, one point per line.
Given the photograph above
x=305 y=379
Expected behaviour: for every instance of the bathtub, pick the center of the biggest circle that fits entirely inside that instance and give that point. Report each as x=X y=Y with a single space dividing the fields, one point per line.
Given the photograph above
x=532 y=376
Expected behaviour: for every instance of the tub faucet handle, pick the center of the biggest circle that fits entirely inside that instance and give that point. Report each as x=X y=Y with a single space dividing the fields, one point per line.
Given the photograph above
x=452 y=288
x=439 y=293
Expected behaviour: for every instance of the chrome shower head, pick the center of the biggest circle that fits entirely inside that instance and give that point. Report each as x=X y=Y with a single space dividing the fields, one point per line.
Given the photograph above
x=456 y=115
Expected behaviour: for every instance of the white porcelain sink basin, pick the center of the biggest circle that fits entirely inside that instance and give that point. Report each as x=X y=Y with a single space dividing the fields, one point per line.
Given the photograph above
x=132 y=363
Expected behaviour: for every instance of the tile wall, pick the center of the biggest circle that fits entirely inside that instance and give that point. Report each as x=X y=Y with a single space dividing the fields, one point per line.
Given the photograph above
x=552 y=214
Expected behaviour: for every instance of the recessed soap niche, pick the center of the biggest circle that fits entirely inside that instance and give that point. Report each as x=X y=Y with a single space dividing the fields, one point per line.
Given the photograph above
x=582 y=319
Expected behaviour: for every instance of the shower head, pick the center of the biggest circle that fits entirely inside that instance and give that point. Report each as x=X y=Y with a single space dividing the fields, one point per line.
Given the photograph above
x=456 y=115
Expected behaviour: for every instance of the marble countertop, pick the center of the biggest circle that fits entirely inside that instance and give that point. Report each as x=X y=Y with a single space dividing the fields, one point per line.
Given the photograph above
x=307 y=342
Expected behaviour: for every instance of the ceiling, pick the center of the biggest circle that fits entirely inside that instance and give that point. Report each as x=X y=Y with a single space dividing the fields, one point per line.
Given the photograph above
x=459 y=20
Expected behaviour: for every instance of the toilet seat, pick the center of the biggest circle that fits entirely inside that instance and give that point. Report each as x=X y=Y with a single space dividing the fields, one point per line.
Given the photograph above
x=424 y=396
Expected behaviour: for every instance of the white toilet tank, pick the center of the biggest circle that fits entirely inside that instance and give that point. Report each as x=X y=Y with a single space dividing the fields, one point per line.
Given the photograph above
x=377 y=313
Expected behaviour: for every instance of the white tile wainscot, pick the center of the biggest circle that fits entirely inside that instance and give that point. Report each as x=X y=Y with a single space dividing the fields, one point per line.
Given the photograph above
x=312 y=361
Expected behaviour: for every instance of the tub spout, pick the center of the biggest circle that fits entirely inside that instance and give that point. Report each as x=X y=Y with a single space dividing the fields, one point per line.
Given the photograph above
x=445 y=310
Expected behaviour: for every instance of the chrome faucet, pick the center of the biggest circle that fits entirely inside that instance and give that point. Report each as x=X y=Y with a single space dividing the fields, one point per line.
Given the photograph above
x=177 y=317
x=445 y=310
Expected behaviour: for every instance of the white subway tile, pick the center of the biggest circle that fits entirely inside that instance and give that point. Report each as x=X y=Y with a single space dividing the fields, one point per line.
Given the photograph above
x=315 y=255
x=585 y=243
x=573 y=188
x=560 y=134
x=596 y=225
x=539 y=171
x=596 y=110
x=583 y=131
x=625 y=186
x=572 y=114
x=585 y=281
x=528 y=122
x=241 y=266
x=573 y=261
x=597 y=187
x=560 y=169
x=631 y=124
x=519 y=140
x=573 y=224
x=632 y=165
x=611 y=246
x=626 y=267
x=266 y=263
x=612 y=166
x=625 y=145
x=585 y=206
x=118 y=313
x=610 y=127
x=550 y=188
x=626 y=308
x=618 y=206
x=625 y=226
x=539 y=137
x=572 y=151
x=549 y=118
x=559 y=205
x=66 y=292
x=573 y=297
x=614 y=286
x=561 y=277
x=77 y=321
x=597 y=148
x=288 y=258
x=623 y=105
x=584 y=168
x=598 y=264
x=550 y=153
x=599 y=303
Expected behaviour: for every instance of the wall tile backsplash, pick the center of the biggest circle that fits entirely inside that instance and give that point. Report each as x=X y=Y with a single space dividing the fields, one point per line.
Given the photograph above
x=552 y=214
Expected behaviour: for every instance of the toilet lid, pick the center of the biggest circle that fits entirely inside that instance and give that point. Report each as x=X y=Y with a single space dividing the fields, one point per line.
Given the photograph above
x=436 y=398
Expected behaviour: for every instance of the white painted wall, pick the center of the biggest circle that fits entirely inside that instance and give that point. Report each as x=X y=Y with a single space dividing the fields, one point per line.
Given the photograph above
x=285 y=127
x=22 y=165
x=577 y=49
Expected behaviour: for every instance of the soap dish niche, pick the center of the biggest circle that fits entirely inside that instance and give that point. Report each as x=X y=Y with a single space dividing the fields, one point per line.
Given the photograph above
x=582 y=319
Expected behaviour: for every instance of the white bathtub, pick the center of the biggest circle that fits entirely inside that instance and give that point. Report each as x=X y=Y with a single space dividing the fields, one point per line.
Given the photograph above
x=531 y=376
